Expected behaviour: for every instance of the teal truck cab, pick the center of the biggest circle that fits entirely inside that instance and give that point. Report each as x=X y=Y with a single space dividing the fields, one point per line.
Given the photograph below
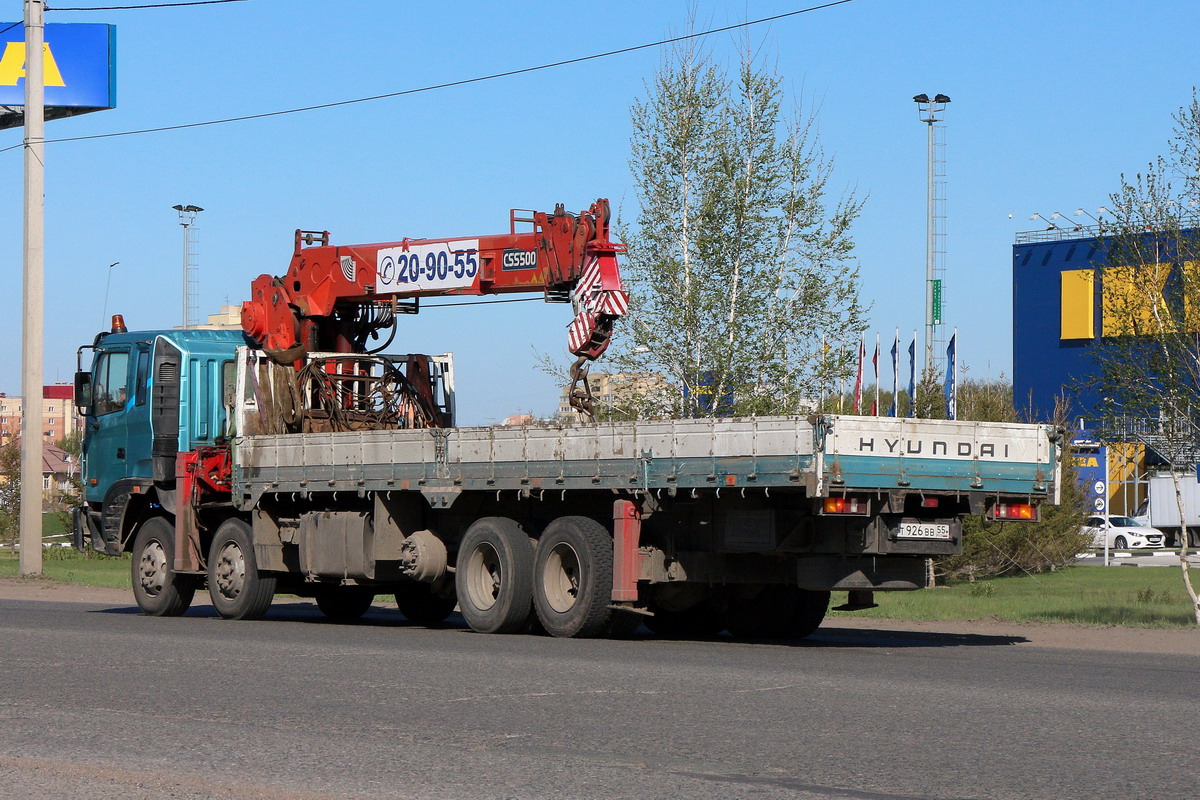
x=148 y=396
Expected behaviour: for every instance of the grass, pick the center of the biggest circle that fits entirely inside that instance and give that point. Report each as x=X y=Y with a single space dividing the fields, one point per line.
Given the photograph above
x=1146 y=597
x=70 y=566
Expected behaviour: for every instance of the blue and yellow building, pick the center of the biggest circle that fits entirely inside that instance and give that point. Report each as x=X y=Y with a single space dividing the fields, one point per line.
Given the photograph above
x=1063 y=288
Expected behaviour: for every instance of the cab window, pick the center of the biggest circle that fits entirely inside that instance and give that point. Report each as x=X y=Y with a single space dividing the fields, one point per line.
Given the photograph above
x=111 y=382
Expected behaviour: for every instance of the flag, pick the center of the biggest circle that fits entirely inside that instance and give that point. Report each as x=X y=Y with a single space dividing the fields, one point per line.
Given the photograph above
x=875 y=363
x=912 y=377
x=862 y=355
x=894 y=411
x=951 y=378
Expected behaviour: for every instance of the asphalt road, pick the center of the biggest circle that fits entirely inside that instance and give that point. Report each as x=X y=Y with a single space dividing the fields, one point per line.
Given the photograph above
x=98 y=702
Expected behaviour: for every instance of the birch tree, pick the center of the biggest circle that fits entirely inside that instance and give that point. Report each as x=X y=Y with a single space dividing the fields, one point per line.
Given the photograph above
x=745 y=293
x=1149 y=356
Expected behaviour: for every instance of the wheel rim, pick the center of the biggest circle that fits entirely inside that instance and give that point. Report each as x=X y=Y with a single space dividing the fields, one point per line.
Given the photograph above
x=561 y=577
x=484 y=576
x=152 y=569
x=1121 y=544
x=230 y=571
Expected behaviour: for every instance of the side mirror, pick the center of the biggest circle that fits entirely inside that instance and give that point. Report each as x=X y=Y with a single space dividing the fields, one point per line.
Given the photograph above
x=83 y=393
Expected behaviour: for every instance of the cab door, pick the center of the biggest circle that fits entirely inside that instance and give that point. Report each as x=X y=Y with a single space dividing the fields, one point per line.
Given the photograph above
x=105 y=446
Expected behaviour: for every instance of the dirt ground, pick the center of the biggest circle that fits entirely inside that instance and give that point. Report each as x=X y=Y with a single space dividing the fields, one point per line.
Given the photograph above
x=1025 y=634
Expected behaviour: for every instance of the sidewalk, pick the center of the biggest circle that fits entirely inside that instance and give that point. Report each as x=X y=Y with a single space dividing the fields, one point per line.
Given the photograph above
x=1143 y=558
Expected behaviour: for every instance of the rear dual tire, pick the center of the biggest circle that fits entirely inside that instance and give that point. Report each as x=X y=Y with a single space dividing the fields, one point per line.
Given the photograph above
x=775 y=612
x=573 y=573
x=494 y=575
x=505 y=584
x=344 y=603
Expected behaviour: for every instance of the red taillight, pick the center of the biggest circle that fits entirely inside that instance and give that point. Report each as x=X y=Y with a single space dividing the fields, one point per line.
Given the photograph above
x=845 y=505
x=1018 y=511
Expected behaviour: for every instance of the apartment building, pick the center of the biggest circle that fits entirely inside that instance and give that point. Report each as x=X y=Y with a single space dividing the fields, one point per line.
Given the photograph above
x=59 y=417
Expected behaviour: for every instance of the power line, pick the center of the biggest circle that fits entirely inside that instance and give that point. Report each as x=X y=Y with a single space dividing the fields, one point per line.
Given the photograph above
x=148 y=5
x=446 y=85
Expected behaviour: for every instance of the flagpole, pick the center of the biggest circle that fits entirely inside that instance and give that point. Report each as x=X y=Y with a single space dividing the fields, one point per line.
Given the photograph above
x=876 y=374
x=858 y=375
x=895 y=410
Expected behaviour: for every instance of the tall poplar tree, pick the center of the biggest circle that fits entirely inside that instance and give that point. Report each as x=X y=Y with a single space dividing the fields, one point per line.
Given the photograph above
x=745 y=293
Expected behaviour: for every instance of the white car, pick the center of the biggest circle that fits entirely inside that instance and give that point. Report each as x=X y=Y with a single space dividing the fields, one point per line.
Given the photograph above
x=1123 y=533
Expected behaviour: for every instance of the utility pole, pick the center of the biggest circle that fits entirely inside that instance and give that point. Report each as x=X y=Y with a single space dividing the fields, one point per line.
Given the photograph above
x=929 y=110
x=33 y=290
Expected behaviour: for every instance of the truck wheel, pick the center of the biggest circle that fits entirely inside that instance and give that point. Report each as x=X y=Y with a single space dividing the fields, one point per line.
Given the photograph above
x=572 y=577
x=810 y=613
x=493 y=574
x=237 y=589
x=762 y=612
x=158 y=590
x=422 y=604
x=344 y=603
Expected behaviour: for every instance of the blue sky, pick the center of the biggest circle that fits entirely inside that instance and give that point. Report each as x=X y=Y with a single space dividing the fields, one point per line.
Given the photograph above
x=1051 y=102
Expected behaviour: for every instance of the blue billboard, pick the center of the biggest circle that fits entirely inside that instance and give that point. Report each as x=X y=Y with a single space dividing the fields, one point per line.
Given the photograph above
x=80 y=63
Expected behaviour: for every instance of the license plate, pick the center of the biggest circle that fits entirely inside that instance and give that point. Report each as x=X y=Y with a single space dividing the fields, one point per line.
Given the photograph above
x=923 y=530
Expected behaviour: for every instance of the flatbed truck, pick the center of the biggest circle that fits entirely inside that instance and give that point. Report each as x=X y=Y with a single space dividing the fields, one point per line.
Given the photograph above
x=287 y=457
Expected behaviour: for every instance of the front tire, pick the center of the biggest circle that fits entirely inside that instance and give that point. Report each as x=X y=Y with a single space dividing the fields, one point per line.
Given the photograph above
x=1120 y=543
x=493 y=574
x=157 y=588
x=572 y=586
x=237 y=589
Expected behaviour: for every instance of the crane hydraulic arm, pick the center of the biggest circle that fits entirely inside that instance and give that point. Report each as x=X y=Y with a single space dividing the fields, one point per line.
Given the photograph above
x=333 y=298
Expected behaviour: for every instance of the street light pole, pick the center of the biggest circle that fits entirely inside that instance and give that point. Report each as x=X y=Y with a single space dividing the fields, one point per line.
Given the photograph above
x=929 y=110
x=187 y=218
x=104 y=313
x=34 y=257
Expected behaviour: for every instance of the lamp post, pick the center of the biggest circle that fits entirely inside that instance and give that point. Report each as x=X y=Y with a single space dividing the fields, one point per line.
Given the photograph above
x=1049 y=222
x=104 y=313
x=1076 y=226
x=187 y=218
x=928 y=111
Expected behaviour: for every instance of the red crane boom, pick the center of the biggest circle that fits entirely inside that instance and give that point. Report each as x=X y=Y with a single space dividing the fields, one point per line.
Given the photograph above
x=334 y=297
